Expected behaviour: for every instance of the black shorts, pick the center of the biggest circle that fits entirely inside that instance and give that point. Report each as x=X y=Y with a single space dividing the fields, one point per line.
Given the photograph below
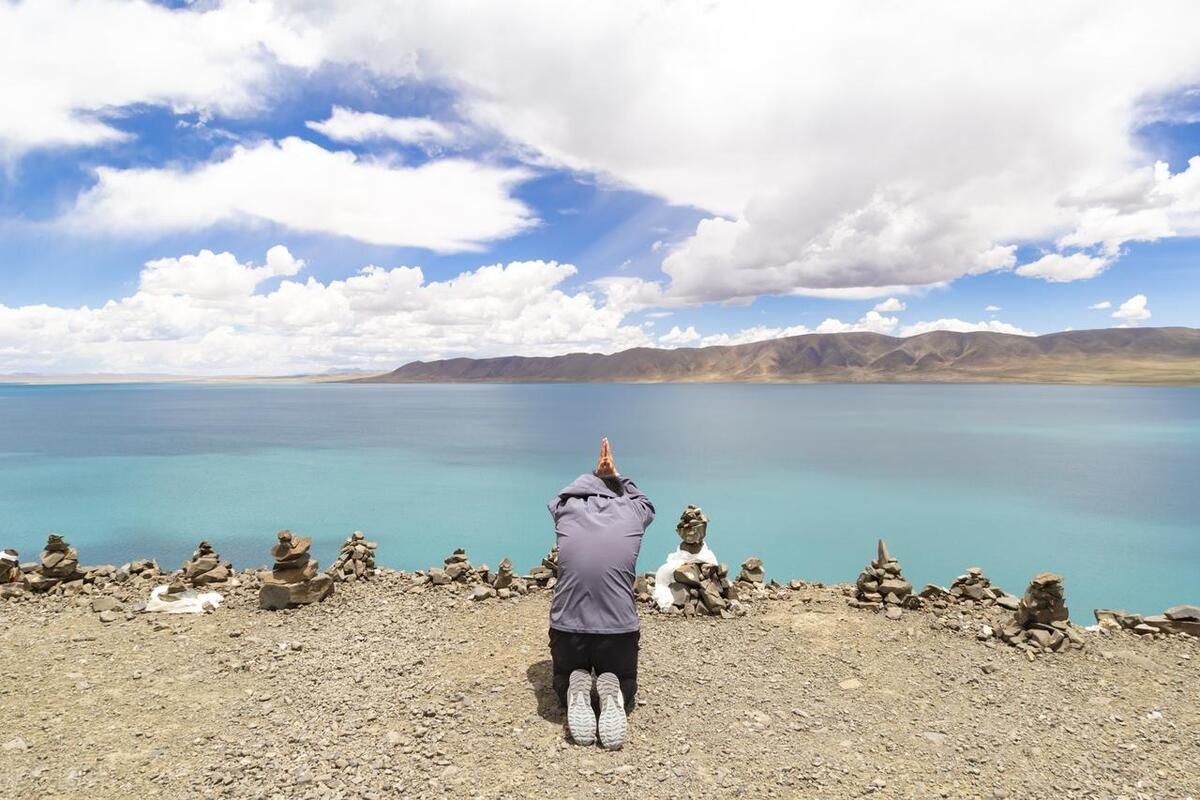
x=598 y=652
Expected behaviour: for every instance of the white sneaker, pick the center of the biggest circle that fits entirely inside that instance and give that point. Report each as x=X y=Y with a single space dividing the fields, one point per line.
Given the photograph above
x=612 y=712
x=581 y=719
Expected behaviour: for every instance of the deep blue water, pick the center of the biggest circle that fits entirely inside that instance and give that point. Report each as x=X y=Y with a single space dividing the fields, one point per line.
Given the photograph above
x=1099 y=484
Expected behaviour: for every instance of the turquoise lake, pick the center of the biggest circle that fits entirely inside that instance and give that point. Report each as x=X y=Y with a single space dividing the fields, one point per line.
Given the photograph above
x=1099 y=484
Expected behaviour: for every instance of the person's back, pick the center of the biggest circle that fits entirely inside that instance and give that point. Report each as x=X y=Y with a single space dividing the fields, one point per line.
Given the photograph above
x=599 y=521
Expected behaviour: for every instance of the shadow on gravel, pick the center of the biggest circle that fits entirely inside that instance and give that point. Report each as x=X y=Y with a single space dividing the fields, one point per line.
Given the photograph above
x=541 y=679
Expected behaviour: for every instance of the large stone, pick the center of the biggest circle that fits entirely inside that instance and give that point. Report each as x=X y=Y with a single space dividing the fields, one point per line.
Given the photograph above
x=104 y=603
x=693 y=525
x=752 y=571
x=1168 y=625
x=304 y=572
x=688 y=574
x=504 y=575
x=897 y=586
x=1186 y=612
x=217 y=574
x=1008 y=601
x=274 y=596
x=200 y=565
x=882 y=554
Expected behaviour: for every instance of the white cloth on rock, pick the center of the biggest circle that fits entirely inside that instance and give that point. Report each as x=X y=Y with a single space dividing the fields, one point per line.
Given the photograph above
x=187 y=602
x=666 y=573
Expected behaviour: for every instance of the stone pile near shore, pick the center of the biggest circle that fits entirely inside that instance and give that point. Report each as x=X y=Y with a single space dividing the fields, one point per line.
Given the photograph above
x=752 y=571
x=882 y=584
x=972 y=605
x=293 y=580
x=971 y=587
x=703 y=589
x=1178 y=620
x=1040 y=623
x=457 y=569
x=503 y=583
x=356 y=560
x=545 y=574
x=58 y=564
x=205 y=567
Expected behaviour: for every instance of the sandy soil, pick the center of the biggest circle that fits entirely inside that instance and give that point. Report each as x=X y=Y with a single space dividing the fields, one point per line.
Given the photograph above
x=392 y=690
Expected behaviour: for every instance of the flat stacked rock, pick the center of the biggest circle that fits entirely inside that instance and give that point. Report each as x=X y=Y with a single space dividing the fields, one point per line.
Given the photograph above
x=699 y=588
x=293 y=580
x=692 y=528
x=972 y=587
x=458 y=569
x=356 y=560
x=58 y=564
x=545 y=575
x=1178 y=620
x=504 y=577
x=1040 y=623
x=752 y=571
x=206 y=567
x=506 y=584
x=881 y=584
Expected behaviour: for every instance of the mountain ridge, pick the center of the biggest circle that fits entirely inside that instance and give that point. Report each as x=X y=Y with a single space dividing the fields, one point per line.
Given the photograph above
x=1166 y=356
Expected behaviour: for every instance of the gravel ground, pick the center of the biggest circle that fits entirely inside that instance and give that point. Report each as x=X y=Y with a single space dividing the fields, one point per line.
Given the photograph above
x=395 y=690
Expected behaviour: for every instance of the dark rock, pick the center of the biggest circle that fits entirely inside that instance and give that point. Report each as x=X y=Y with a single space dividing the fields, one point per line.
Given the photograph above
x=1186 y=612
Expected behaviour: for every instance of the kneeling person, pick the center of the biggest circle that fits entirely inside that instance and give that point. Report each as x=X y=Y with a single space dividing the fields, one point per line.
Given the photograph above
x=599 y=521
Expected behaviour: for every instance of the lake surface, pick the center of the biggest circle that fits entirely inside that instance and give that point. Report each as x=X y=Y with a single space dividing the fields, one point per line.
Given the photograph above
x=1100 y=484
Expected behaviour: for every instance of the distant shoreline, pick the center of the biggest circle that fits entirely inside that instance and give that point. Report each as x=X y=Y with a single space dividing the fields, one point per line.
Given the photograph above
x=1168 y=356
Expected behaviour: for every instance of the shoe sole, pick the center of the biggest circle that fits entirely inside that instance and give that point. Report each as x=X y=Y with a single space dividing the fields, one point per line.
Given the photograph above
x=612 y=724
x=581 y=719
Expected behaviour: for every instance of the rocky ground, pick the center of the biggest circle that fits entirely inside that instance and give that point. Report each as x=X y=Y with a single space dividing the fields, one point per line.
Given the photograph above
x=389 y=689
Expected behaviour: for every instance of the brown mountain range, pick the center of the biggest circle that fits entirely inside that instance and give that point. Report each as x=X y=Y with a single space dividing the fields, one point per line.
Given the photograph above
x=1112 y=355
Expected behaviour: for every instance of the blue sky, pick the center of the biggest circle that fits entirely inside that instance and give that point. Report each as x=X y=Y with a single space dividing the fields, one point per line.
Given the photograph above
x=714 y=194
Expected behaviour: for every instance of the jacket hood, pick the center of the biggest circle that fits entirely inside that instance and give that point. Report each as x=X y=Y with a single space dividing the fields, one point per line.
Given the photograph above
x=590 y=485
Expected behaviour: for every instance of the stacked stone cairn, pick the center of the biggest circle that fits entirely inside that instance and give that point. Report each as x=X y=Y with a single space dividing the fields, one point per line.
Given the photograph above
x=1178 y=620
x=692 y=528
x=545 y=575
x=458 y=569
x=880 y=584
x=698 y=587
x=205 y=567
x=752 y=571
x=293 y=580
x=972 y=587
x=58 y=564
x=1040 y=623
x=356 y=560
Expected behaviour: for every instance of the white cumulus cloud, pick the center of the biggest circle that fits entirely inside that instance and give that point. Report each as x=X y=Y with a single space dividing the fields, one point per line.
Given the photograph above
x=1101 y=305
x=962 y=326
x=346 y=125
x=992 y=309
x=208 y=313
x=803 y=191
x=68 y=67
x=891 y=304
x=1133 y=310
x=447 y=205
x=872 y=322
x=677 y=337
x=1058 y=268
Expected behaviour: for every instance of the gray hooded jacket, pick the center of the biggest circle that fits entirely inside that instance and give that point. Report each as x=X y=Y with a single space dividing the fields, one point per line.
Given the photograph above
x=599 y=525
